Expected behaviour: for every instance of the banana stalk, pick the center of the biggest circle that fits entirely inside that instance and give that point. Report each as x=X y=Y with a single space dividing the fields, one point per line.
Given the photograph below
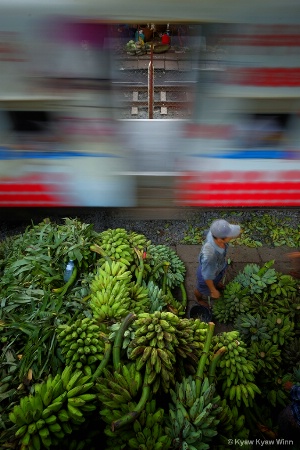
x=104 y=362
x=214 y=362
x=97 y=249
x=118 y=340
x=183 y=294
x=166 y=266
x=141 y=266
x=205 y=353
x=132 y=415
x=155 y=269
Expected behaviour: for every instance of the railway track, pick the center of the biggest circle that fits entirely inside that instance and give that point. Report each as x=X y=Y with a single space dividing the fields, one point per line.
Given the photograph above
x=166 y=96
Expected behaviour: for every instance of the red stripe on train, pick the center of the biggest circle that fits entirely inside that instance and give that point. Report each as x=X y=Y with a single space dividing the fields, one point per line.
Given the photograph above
x=31 y=191
x=264 y=77
x=262 y=40
x=267 y=193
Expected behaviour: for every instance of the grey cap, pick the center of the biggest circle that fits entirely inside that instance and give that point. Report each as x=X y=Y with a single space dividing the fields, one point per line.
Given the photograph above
x=222 y=229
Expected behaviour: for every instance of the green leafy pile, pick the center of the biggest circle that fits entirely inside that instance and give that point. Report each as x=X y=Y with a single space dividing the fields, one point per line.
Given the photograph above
x=257 y=230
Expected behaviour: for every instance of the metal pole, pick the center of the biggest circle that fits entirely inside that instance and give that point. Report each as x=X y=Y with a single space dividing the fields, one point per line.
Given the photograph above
x=151 y=85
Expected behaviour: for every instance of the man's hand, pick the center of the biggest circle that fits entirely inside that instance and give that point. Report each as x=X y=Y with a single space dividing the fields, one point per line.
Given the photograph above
x=288 y=385
x=214 y=293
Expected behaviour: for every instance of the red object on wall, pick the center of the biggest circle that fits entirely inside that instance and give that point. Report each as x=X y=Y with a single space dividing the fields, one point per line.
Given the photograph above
x=165 y=39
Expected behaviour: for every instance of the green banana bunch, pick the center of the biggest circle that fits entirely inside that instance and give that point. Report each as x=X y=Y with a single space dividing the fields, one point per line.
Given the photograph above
x=153 y=347
x=231 y=425
x=291 y=352
x=81 y=344
x=110 y=292
x=45 y=416
x=191 y=335
x=140 y=244
x=242 y=393
x=158 y=300
x=285 y=286
x=251 y=327
x=280 y=329
x=277 y=397
x=140 y=298
x=296 y=373
x=266 y=356
x=192 y=421
x=176 y=272
x=127 y=337
x=287 y=306
x=176 y=306
x=257 y=279
x=138 y=240
x=149 y=430
x=115 y=244
x=235 y=301
x=117 y=390
x=236 y=370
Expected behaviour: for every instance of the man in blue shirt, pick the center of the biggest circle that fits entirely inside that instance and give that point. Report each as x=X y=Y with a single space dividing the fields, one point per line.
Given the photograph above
x=289 y=418
x=212 y=259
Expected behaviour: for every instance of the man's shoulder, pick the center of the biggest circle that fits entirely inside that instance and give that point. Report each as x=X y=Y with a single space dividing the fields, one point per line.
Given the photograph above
x=207 y=249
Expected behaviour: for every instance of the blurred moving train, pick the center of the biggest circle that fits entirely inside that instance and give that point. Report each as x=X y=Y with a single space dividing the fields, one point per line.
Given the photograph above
x=62 y=143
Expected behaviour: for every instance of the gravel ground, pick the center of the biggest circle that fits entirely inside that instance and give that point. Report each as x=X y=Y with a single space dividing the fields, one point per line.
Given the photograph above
x=167 y=232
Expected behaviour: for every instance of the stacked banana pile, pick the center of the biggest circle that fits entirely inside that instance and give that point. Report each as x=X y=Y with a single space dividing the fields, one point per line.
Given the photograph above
x=236 y=370
x=193 y=419
x=56 y=407
x=149 y=430
x=270 y=292
x=81 y=344
x=117 y=389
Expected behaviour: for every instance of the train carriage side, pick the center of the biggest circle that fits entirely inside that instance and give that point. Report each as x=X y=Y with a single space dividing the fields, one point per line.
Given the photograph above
x=243 y=145
x=59 y=141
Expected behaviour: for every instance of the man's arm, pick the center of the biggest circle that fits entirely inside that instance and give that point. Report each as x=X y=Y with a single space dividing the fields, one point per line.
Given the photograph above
x=213 y=291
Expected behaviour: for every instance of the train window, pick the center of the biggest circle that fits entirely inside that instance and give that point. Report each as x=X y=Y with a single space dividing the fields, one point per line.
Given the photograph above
x=36 y=130
x=262 y=130
x=30 y=121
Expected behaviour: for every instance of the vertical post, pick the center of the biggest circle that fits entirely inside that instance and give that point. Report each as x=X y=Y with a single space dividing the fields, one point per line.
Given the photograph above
x=150 y=85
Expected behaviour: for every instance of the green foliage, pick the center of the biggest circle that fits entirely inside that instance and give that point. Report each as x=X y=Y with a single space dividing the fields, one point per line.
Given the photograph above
x=257 y=229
